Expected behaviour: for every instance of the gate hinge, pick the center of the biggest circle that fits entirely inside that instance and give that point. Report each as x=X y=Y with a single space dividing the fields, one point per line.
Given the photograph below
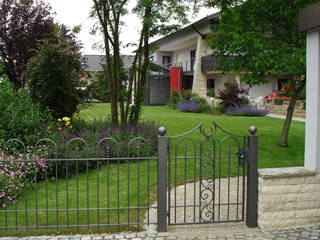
x=242 y=156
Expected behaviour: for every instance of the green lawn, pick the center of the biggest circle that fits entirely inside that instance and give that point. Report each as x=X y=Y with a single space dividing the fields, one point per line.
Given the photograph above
x=271 y=155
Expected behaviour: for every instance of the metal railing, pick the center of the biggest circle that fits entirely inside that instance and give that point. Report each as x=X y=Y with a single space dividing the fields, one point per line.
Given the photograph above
x=41 y=190
x=187 y=64
x=46 y=187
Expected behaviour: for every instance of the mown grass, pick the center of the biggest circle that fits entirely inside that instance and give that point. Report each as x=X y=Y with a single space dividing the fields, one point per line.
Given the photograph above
x=271 y=155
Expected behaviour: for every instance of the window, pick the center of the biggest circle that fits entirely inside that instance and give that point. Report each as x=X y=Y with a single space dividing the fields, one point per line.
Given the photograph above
x=166 y=61
x=210 y=85
x=192 y=59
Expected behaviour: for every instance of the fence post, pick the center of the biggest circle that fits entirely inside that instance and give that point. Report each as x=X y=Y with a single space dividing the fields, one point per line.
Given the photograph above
x=162 y=180
x=252 y=179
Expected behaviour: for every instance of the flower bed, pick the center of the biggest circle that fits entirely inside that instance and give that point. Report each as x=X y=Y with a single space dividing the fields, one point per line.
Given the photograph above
x=247 y=110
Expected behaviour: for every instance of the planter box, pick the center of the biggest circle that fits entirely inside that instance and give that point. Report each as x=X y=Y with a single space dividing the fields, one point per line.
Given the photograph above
x=280 y=106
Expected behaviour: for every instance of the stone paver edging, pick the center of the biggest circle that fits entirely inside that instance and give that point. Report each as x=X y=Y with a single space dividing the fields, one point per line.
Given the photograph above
x=209 y=232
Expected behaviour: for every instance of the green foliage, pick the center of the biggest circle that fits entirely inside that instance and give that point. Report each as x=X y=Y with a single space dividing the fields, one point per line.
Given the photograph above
x=263 y=38
x=212 y=93
x=98 y=87
x=19 y=117
x=188 y=101
x=218 y=109
x=53 y=80
x=174 y=99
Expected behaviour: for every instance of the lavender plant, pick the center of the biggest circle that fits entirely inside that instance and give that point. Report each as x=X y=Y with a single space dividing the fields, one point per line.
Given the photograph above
x=189 y=106
x=247 y=110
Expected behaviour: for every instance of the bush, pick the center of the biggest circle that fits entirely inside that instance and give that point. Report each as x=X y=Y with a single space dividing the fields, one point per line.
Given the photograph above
x=174 y=100
x=247 y=110
x=20 y=117
x=189 y=106
x=188 y=101
x=93 y=131
x=233 y=94
x=16 y=175
x=212 y=93
x=53 y=77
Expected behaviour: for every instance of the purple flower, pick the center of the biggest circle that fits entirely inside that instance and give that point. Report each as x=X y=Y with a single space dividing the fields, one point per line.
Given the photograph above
x=189 y=106
x=247 y=110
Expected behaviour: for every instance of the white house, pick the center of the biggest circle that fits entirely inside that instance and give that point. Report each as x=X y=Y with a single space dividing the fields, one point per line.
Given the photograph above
x=188 y=49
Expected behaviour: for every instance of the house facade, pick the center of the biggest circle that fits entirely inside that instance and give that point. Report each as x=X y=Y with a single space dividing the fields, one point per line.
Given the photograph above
x=188 y=50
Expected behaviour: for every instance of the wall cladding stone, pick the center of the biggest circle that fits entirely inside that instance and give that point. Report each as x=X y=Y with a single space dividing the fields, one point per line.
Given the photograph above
x=278 y=106
x=288 y=197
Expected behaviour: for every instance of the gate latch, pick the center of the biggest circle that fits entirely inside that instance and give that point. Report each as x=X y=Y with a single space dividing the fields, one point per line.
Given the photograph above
x=242 y=156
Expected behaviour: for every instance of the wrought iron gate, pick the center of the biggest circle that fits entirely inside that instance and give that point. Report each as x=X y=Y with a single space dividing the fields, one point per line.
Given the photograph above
x=207 y=174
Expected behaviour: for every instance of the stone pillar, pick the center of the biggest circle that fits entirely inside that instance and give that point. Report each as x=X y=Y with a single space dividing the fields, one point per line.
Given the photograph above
x=312 y=143
x=200 y=80
x=309 y=21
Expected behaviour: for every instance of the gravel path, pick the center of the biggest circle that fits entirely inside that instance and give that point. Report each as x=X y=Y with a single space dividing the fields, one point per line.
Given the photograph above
x=189 y=195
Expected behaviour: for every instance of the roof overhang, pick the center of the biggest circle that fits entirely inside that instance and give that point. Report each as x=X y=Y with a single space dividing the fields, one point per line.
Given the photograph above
x=188 y=28
x=309 y=18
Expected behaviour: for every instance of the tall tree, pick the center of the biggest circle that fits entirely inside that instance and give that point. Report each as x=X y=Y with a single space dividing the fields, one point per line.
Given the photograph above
x=154 y=15
x=23 y=25
x=259 y=38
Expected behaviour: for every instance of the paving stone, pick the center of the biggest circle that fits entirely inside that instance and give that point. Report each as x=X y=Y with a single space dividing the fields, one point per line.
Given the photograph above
x=163 y=234
x=235 y=232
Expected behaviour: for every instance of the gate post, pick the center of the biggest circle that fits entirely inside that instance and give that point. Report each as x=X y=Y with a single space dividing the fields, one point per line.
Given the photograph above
x=162 y=180
x=252 y=179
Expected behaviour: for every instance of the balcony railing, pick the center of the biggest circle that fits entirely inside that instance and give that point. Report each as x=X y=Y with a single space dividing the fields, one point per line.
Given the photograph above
x=207 y=63
x=187 y=64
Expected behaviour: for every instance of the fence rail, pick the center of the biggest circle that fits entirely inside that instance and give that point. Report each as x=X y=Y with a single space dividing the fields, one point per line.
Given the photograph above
x=41 y=190
x=109 y=184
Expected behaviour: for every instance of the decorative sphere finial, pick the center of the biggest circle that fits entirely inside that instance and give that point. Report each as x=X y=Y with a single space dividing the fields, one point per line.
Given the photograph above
x=253 y=130
x=162 y=131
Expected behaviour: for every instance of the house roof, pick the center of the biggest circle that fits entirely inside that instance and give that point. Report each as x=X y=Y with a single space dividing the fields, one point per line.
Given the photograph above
x=93 y=62
x=309 y=18
x=187 y=28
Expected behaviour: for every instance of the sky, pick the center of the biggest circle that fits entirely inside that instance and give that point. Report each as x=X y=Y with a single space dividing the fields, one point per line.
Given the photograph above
x=76 y=12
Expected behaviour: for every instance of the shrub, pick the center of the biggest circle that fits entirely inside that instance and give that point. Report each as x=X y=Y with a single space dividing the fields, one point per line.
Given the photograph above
x=212 y=93
x=16 y=175
x=233 y=94
x=188 y=101
x=93 y=131
x=247 y=110
x=174 y=99
x=20 y=117
x=189 y=106
x=53 y=80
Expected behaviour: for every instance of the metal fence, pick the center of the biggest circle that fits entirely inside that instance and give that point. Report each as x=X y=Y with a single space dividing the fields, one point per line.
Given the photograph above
x=217 y=190
x=192 y=178
x=206 y=172
x=43 y=190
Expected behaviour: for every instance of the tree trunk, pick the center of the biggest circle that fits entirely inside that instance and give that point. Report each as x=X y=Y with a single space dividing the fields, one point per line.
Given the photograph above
x=287 y=122
x=144 y=69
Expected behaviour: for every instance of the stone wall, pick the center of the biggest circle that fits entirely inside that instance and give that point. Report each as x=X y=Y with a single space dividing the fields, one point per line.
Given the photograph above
x=280 y=106
x=288 y=197
x=199 y=79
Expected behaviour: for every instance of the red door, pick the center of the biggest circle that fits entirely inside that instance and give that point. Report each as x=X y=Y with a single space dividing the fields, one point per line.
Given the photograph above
x=175 y=79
